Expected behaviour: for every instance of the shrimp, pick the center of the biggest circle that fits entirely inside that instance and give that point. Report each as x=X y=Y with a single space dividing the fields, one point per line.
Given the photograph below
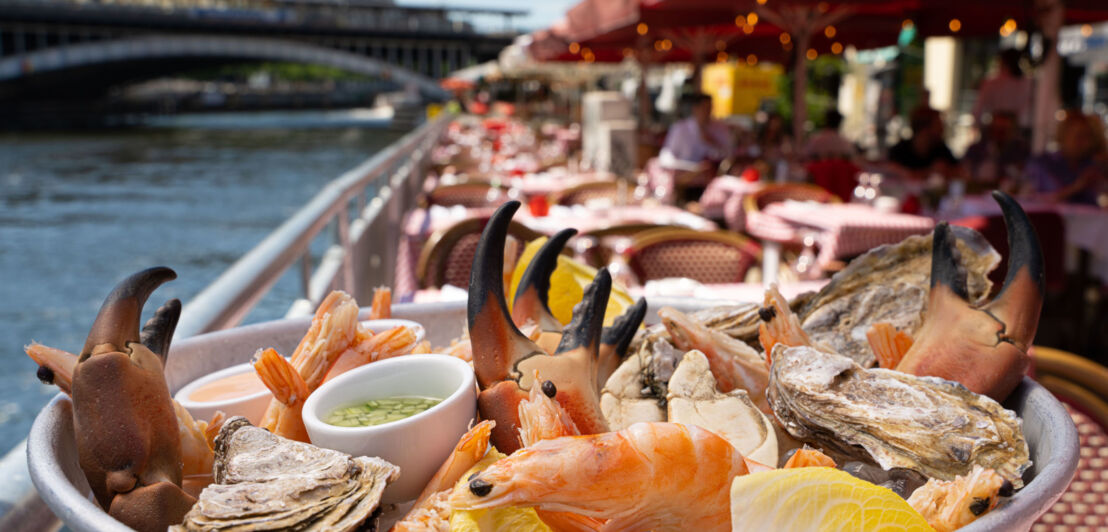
x=391 y=343
x=459 y=348
x=289 y=392
x=734 y=364
x=382 y=304
x=780 y=325
x=888 y=344
x=334 y=328
x=431 y=510
x=541 y=417
x=952 y=504
x=649 y=476
x=808 y=457
x=422 y=348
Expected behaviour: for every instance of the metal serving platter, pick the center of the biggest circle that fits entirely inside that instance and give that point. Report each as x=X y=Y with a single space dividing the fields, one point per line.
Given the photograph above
x=52 y=455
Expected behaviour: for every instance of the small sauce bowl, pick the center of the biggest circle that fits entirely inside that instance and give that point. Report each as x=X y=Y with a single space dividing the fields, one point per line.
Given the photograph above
x=418 y=444
x=251 y=406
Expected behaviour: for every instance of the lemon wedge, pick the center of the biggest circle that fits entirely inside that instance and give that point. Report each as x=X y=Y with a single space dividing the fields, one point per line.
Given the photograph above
x=567 y=285
x=818 y=499
x=497 y=519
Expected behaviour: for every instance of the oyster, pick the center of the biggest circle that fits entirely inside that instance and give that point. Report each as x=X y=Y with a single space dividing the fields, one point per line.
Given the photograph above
x=266 y=482
x=930 y=425
x=625 y=401
x=889 y=284
x=737 y=321
x=694 y=399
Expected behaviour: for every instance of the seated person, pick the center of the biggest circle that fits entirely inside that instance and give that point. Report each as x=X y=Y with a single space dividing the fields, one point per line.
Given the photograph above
x=1000 y=154
x=697 y=141
x=827 y=143
x=1077 y=172
x=925 y=151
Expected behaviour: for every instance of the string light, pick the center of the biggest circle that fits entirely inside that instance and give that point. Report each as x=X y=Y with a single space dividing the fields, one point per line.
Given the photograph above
x=761 y=2
x=829 y=32
x=784 y=38
x=955 y=25
x=574 y=47
x=752 y=18
x=836 y=48
x=642 y=28
x=752 y=60
x=1008 y=27
x=627 y=52
x=748 y=29
x=721 y=57
x=907 y=23
x=823 y=7
x=667 y=44
x=1086 y=30
x=811 y=54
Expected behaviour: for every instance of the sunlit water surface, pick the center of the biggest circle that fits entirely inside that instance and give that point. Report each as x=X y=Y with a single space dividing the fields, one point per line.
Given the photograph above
x=78 y=212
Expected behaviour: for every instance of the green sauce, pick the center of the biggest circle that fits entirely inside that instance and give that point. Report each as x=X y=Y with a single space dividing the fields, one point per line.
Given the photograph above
x=379 y=411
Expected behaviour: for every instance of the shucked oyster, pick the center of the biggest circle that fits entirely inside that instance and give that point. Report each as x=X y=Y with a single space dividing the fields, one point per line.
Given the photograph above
x=889 y=284
x=926 y=424
x=266 y=482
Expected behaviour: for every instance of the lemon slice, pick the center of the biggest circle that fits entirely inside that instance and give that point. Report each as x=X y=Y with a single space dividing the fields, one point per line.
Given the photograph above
x=818 y=499
x=567 y=285
x=497 y=519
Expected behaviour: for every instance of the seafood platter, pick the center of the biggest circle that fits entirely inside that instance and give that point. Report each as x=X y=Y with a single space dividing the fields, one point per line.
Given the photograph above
x=895 y=398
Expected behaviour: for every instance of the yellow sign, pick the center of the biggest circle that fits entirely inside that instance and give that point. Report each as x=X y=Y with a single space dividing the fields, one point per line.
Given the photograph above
x=738 y=89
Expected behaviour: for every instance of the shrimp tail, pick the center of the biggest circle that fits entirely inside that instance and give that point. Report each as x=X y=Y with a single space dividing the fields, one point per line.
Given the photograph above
x=280 y=377
x=541 y=417
x=382 y=304
x=470 y=449
x=889 y=345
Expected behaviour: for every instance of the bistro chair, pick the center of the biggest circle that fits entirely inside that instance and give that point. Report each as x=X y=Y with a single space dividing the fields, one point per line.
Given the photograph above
x=597 y=250
x=708 y=257
x=1082 y=386
x=594 y=190
x=758 y=201
x=447 y=257
x=469 y=194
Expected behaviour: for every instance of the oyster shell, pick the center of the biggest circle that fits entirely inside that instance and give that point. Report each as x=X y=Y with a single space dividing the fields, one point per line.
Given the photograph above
x=694 y=399
x=266 y=482
x=926 y=424
x=625 y=400
x=889 y=284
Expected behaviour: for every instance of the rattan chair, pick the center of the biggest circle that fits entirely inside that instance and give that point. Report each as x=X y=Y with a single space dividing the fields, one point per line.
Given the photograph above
x=789 y=191
x=447 y=257
x=468 y=194
x=707 y=257
x=1082 y=386
x=601 y=253
x=593 y=190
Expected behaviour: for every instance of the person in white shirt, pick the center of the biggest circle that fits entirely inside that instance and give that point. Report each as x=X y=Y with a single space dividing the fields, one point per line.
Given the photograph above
x=827 y=143
x=1009 y=91
x=697 y=139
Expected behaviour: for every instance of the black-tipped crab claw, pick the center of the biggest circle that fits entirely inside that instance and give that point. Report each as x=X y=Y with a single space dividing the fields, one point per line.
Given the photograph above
x=984 y=347
x=505 y=360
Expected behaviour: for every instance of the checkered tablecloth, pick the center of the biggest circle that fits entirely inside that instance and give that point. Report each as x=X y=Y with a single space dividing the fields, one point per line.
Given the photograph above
x=723 y=195
x=841 y=230
x=420 y=224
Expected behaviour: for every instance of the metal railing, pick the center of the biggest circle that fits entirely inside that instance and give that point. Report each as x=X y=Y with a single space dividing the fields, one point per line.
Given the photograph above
x=363 y=208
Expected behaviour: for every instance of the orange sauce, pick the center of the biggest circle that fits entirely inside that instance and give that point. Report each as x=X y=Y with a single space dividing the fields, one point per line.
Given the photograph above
x=230 y=387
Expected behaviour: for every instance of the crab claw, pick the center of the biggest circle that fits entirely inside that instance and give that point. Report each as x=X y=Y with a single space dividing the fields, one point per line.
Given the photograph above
x=497 y=342
x=530 y=303
x=615 y=340
x=117 y=323
x=505 y=360
x=983 y=347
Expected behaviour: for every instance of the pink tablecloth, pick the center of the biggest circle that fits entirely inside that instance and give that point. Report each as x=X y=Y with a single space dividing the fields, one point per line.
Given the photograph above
x=422 y=223
x=841 y=230
x=724 y=197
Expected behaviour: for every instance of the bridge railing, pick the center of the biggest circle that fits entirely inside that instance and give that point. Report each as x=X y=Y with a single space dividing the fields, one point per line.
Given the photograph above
x=362 y=208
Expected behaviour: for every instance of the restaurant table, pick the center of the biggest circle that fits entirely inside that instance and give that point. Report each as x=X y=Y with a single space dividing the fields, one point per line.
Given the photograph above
x=840 y=230
x=420 y=224
x=1086 y=226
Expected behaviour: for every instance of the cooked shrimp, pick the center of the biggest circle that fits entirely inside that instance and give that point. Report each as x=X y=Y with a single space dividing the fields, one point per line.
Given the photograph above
x=458 y=348
x=391 y=343
x=333 y=330
x=432 y=510
x=888 y=344
x=541 y=417
x=422 y=348
x=382 y=304
x=808 y=457
x=289 y=393
x=734 y=364
x=779 y=324
x=952 y=504
x=649 y=476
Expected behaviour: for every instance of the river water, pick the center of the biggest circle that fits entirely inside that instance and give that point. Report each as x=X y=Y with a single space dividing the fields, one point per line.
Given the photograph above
x=79 y=212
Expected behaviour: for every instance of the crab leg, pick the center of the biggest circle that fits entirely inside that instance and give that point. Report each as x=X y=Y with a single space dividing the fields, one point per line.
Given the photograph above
x=983 y=347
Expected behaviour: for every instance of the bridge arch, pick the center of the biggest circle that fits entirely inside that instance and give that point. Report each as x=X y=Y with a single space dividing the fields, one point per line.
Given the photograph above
x=156 y=47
